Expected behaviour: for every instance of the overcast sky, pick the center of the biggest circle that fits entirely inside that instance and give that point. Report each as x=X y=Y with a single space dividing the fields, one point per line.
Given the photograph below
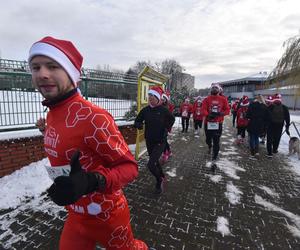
x=214 y=40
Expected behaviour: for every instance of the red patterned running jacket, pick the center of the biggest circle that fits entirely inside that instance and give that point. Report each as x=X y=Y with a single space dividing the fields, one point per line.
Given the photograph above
x=76 y=124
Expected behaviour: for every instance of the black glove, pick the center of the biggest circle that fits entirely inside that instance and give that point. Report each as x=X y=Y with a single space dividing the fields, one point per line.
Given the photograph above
x=68 y=189
x=213 y=115
x=139 y=125
x=287 y=131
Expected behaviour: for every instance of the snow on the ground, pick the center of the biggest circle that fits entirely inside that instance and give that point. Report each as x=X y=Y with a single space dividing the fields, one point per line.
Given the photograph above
x=230 y=168
x=27 y=182
x=222 y=226
x=294 y=219
x=269 y=191
x=233 y=193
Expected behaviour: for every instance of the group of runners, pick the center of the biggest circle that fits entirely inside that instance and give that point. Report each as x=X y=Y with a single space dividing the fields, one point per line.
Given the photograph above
x=90 y=160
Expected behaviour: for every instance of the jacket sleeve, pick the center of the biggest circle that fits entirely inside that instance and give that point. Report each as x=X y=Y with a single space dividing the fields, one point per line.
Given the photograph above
x=170 y=119
x=249 y=112
x=286 y=115
x=190 y=109
x=116 y=163
x=139 y=120
x=204 y=107
x=180 y=109
x=226 y=107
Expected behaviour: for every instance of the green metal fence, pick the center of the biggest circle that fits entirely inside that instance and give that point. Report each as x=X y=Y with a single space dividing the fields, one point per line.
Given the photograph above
x=20 y=103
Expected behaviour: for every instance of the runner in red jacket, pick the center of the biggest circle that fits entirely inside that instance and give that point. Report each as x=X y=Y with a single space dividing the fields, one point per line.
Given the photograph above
x=186 y=109
x=90 y=161
x=234 y=109
x=197 y=116
x=214 y=108
x=242 y=121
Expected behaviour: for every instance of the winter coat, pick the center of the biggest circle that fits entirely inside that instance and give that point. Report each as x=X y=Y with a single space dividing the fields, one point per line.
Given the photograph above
x=234 y=107
x=74 y=123
x=259 y=118
x=171 y=107
x=242 y=121
x=158 y=121
x=186 y=109
x=217 y=104
x=197 y=115
x=285 y=117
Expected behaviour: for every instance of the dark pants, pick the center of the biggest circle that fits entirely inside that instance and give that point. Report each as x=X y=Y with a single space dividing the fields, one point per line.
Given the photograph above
x=154 y=151
x=185 y=123
x=241 y=131
x=233 y=118
x=197 y=124
x=254 y=142
x=167 y=147
x=274 y=131
x=213 y=139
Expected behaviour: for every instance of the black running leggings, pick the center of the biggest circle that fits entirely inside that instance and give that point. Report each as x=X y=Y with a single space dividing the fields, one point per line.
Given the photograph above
x=154 y=151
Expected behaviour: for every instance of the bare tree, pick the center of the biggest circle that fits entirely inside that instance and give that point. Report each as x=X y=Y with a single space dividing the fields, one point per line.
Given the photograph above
x=288 y=66
x=140 y=65
x=170 y=66
x=290 y=60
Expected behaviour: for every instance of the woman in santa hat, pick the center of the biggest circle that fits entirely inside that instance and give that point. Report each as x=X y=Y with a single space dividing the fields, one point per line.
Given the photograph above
x=186 y=109
x=242 y=121
x=197 y=116
x=158 y=121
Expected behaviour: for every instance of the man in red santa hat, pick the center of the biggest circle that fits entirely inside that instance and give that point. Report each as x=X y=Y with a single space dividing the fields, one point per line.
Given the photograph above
x=90 y=161
x=214 y=108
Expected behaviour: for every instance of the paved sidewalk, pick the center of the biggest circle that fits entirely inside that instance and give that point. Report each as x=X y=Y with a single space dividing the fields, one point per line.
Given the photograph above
x=259 y=198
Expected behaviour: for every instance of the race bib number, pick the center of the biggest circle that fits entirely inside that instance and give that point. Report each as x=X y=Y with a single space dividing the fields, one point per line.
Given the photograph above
x=212 y=125
x=184 y=113
x=54 y=172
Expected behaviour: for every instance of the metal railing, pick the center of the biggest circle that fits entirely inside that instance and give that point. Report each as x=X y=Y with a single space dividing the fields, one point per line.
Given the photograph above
x=20 y=103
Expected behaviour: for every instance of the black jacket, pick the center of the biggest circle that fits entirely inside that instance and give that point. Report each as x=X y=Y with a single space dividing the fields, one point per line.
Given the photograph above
x=158 y=121
x=286 y=114
x=259 y=117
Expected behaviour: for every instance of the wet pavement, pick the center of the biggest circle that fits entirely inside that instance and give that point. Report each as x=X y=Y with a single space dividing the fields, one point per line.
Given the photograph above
x=258 y=196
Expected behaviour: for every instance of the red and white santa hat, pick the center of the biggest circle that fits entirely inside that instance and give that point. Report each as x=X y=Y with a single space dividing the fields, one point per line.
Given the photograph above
x=199 y=100
x=157 y=91
x=245 y=102
x=166 y=95
x=269 y=99
x=63 y=52
x=215 y=85
x=277 y=98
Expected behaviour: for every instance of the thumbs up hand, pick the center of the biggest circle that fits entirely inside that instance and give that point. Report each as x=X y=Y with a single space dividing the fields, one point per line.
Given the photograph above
x=67 y=190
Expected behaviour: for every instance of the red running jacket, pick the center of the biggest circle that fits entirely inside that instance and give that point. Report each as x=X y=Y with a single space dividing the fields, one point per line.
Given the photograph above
x=76 y=124
x=197 y=115
x=242 y=121
x=215 y=103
